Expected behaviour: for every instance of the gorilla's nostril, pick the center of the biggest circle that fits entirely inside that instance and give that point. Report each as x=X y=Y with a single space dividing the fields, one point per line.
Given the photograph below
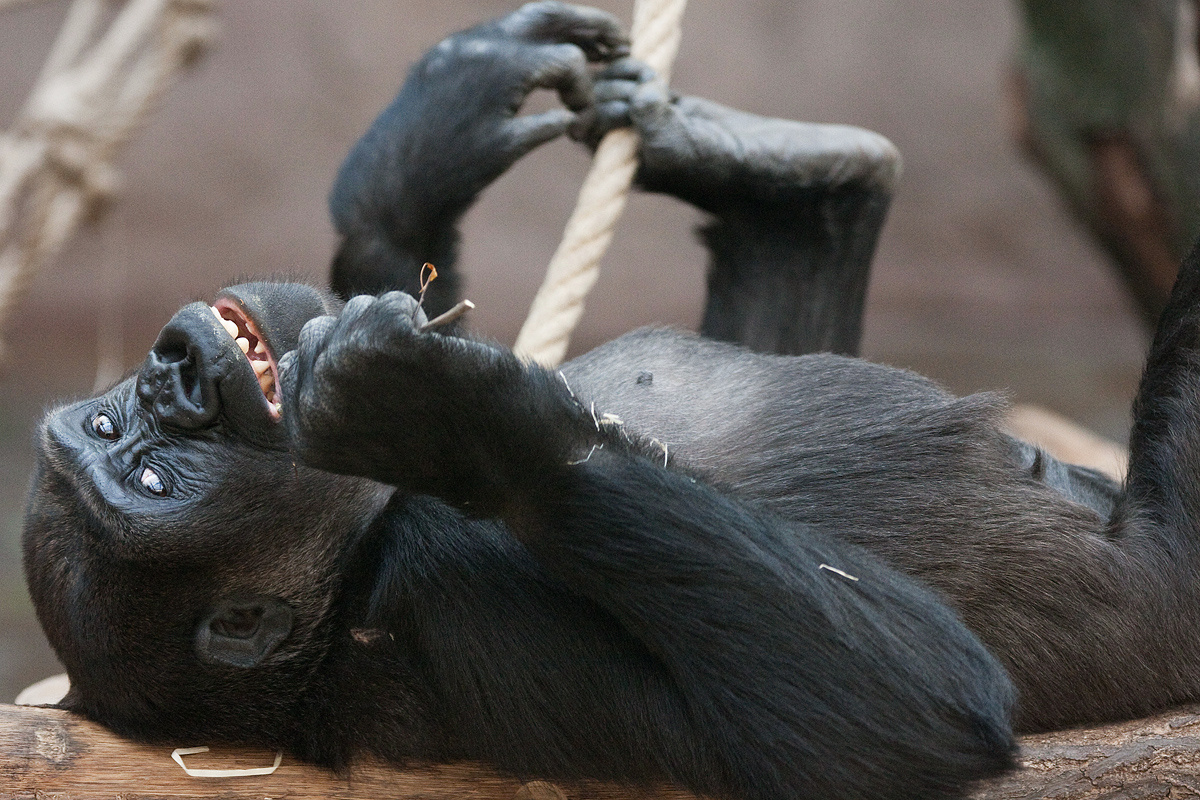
x=186 y=378
x=173 y=382
x=187 y=373
x=171 y=352
x=176 y=392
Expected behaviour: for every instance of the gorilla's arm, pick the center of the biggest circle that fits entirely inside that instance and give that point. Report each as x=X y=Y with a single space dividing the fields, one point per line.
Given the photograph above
x=796 y=208
x=796 y=679
x=451 y=131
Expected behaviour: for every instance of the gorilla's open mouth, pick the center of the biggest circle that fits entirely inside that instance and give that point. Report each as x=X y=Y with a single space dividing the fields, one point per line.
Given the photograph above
x=254 y=346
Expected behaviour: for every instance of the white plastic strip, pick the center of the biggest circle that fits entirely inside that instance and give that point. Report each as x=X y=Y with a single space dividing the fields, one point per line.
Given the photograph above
x=180 y=752
x=837 y=571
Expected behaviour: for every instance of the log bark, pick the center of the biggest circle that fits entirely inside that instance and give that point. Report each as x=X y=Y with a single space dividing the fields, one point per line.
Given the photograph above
x=1156 y=757
x=47 y=753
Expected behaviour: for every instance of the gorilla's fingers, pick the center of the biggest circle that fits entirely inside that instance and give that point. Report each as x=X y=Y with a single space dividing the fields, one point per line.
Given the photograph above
x=613 y=114
x=313 y=337
x=649 y=105
x=581 y=129
x=614 y=91
x=295 y=363
x=353 y=309
x=531 y=130
x=405 y=307
x=597 y=33
x=627 y=69
x=591 y=125
x=563 y=69
x=287 y=377
x=369 y=321
x=620 y=104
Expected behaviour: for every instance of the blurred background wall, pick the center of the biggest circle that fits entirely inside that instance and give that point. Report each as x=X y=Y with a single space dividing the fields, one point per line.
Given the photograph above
x=982 y=279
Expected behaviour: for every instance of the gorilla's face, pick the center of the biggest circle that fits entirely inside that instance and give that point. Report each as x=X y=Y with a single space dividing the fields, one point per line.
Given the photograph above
x=178 y=558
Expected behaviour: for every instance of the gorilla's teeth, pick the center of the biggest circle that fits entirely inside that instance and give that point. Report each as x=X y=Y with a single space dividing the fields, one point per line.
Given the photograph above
x=278 y=407
x=231 y=327
x=243 y=343
x=216 y=313
x=260 y=367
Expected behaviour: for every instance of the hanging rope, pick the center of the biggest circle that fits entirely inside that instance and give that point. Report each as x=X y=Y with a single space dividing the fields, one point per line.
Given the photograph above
x=96 y=88
x=576 y=263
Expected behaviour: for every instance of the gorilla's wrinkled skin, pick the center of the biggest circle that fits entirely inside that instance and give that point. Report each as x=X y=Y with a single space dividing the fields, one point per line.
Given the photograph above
x=674 y=560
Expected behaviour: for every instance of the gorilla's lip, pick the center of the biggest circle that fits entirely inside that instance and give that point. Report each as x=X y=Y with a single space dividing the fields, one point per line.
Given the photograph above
x=258 y=353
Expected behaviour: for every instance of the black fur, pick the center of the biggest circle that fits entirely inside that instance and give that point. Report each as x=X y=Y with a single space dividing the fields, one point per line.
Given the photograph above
x=676 y=560
x=795 y=207
x=540 y=593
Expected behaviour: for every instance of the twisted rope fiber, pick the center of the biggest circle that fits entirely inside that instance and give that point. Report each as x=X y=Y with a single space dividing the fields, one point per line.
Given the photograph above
x=575 y=265
x=95 y=89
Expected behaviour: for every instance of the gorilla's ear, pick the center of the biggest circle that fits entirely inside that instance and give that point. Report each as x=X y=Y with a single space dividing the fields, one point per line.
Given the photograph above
x=243 y=632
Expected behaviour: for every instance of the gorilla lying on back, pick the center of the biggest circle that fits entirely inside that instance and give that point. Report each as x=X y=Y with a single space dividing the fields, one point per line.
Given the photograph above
x=323 y=529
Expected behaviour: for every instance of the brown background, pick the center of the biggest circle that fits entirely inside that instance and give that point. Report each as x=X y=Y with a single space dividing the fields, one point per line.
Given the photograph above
x=982 y=279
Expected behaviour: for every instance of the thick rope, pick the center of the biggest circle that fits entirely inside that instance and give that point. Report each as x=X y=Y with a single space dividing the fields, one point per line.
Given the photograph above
x=576 y=263
x=95 y=89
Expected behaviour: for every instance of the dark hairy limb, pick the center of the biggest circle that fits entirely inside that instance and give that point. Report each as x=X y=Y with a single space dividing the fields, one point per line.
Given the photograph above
x=771 y=631
x=456 y=412
x=796 y=208
x=783 y=673
x=1164 y=444
x=453 y=129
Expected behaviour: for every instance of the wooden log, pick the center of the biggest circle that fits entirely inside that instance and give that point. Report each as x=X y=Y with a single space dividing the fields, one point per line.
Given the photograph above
x=49 y=754
x=1156 y=757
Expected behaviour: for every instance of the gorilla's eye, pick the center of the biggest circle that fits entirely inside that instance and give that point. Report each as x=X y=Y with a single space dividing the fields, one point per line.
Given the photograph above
x=104 y=427
x=152 y=483
x=238 y=623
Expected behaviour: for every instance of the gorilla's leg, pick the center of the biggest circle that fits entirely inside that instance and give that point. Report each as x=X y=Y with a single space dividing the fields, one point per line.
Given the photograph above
x=796 y=207
x=794 y=285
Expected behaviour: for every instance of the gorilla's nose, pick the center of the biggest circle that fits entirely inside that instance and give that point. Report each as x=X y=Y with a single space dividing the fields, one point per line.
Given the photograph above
x=178 y=380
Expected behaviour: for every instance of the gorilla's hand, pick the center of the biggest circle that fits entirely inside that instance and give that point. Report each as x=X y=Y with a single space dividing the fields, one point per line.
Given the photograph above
x=454 y=128
x=715 y=157
x=451 y=130
x=368 y=394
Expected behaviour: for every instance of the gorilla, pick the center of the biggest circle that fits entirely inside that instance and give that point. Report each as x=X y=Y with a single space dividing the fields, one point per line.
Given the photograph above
x=752 y=568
